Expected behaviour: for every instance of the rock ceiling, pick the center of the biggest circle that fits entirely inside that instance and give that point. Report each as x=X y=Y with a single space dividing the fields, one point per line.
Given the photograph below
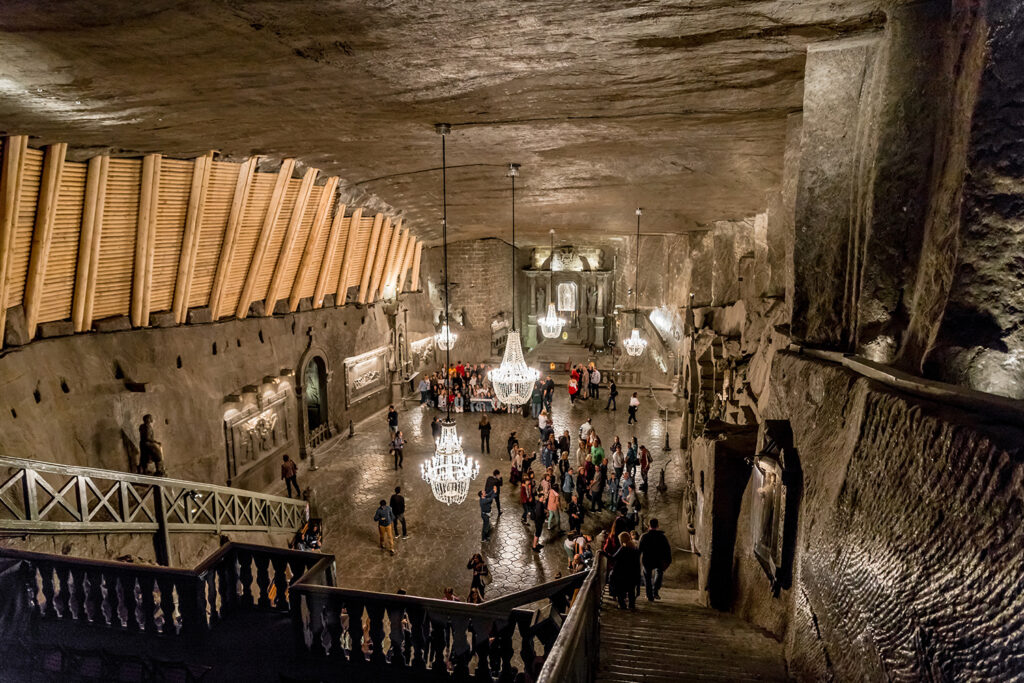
x=679 y=106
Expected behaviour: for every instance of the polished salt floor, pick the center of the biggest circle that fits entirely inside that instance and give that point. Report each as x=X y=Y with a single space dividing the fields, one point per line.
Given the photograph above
x=354 y=474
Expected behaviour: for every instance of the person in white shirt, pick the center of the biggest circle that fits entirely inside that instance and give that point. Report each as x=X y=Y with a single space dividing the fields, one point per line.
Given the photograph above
x=585 y=429
x=618 y=462
x=595 y=381
x=634 y=403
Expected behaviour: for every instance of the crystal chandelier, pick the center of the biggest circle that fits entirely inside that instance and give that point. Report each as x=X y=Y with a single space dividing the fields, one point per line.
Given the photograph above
x=448 y=471
x=513 y=381
x=445 y=338
x=551 y=324
x=635 y=344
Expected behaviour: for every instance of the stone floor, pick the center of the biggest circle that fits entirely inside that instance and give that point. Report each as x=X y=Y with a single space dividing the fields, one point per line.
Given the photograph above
x=354 y=474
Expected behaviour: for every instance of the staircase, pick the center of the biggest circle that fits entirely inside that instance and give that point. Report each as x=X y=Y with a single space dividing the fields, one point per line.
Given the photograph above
x=675 y=639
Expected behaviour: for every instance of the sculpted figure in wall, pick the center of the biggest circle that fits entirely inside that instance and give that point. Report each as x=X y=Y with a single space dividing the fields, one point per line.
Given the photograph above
x=150 y=450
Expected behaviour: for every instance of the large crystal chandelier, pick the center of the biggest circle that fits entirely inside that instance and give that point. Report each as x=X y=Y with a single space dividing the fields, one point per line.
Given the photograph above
x=448 y=471
x=513 y=381
x=551 y=324
x=445 y=338
x=635 y=344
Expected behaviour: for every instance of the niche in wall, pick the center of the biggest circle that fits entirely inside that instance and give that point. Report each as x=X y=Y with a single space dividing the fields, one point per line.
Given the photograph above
x=775 y=490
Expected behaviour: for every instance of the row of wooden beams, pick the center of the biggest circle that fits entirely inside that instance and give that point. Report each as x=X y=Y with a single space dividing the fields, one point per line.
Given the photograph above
x=291 y=233
x=190 y=238
x=12 y=174
x=89 y=242
x=396 y=262
x=227 y=250
x=315 y=230
x=415 y=285
x=42 y=233
x=347 y=256
x=371 y=253
x=267 y=229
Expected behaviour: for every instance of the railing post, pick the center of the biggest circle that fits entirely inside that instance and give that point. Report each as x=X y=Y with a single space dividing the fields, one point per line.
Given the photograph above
x=82 y=499
x=28 y=483
x=162 y=540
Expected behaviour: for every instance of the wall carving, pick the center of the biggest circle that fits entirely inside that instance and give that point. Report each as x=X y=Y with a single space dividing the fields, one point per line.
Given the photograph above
x=365 y=374
x=258 y=431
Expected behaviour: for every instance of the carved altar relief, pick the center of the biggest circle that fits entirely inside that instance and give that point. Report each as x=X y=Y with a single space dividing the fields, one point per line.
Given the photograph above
x=567 y=293
x=365 y=374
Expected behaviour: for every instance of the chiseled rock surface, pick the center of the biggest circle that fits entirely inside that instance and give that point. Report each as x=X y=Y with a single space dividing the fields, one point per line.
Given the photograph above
x=909 y=545
x=607 y=105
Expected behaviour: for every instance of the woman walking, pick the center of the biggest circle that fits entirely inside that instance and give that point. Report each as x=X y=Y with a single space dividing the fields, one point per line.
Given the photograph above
x=634 y=403
x=481 y=574
x=626 y=573
x=485 y=435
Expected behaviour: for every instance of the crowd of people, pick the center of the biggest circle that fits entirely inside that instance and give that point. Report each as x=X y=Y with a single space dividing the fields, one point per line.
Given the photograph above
x=466 y=388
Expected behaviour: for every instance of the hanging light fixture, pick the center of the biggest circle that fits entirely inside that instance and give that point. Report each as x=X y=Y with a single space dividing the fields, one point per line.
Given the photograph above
x=513 y=381
x=445 y=338
x=448 y=471
x=635 y=344
x=551 y=324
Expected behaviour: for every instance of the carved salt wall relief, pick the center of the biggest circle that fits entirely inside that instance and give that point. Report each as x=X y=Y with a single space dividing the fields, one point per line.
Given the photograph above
x=260 y=430
x=365 y=374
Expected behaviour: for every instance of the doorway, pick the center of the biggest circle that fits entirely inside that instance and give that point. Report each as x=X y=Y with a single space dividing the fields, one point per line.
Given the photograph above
x=314 y=395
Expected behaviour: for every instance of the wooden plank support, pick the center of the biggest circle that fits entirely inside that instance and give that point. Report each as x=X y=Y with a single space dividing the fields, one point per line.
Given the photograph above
x=11 y=177
x=387 y=236
x=371 y=252
x=42 y=232
x=347 y=256
x=330 y=250
x=410 y=249
x=88 y=239
x=227 y=249
x=269 y=220
x=190 y=238
x=395 y=263
x=145 y=239
x=290 y=235
x=315 y=230
x=92 y=274
x=415 y=286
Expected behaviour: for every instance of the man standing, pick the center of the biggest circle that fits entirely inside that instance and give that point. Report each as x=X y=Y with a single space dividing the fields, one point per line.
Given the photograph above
x=397 y=504
x=595 y=381
x=435 y=429
x=513 y=442
x=549 y=392
x=397 y=444
x=656 y=554
x=385 y=518
x=634 y=404
x=613 y=391
x=424 y=389
x=493 y=486
x=585 y=429
x=392 y=420
x=485 y=435
x=288 y=473
x=485 y=514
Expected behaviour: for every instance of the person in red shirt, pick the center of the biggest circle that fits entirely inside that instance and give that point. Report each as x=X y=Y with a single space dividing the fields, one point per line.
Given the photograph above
x=460 y=370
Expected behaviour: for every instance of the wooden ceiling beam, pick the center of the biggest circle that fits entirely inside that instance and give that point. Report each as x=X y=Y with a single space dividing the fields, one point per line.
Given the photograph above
x=347 y=258
x=89 y=242
x=371 y=253
x=395 y=262
x=308 y=252
x=288 y=243
x=227 y=248
x=387 y=237
x=190 y=238
x=284 y=175
x=12 y=175
x=42 y=233
x=415 y=285
x=145 y=239
x=410 y=250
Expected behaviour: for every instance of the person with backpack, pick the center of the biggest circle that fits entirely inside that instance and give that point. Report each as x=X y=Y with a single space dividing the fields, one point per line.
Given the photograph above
x=397 y=504
x=385 y=519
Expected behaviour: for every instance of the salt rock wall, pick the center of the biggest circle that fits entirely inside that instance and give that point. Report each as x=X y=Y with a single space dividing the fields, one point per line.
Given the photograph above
x=909 y=542
x=67 y=399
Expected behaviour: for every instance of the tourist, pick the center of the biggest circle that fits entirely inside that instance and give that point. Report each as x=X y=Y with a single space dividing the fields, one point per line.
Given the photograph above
x=573 y=388
x=435 y=429
x=634 y=403
x=549 y=392
x=288 y=473
x=547 y=452
x=392 y=420
x=540 y=513
x=485 y=435
x=449 y=595
x=582 y=454
x=586 y=429
x=526 y=497
x=656 y=556
x=595 y=381
x=516 y=474
x=424 y=388
x=563 y=463
x=625 y=576
x=493 y=486
x=397 y=446
x=481 y=574
x=554 y=507
x=536 y=400
x=151 y=450
x=632 y=457
x=613 y=492
x=613 y=391
x=568 y=479
x=584 y=383
x=513 y=442
x=474 y=598
x=597 y=453
x=618 y=461
x=645 y=465
x=543 y=424
x=397 y=504
x=385 y=518
x=575 y=512
x=632 y=503
x=596 y=490
x=485 y=514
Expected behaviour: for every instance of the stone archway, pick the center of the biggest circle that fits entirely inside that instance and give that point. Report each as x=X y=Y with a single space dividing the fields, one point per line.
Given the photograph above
x=313 y=389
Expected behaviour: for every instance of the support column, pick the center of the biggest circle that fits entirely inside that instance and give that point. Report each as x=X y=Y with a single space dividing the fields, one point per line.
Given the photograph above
x=532 y=314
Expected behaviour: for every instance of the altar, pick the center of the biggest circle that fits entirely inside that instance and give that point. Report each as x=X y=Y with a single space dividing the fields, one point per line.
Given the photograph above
x=576 y=281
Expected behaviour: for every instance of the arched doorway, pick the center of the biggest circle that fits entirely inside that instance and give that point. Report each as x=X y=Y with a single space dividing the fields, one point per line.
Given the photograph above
x=314 y=400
